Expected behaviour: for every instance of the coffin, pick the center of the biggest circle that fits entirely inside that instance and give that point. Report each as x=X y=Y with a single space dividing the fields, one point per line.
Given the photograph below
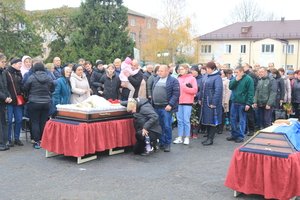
x=93 y=109
x=269 y=143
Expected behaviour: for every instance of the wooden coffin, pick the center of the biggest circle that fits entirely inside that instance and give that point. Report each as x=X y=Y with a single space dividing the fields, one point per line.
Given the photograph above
x=269 y=143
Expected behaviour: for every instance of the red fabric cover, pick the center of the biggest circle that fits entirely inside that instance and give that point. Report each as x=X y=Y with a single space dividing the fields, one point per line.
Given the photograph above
x=272 y=177
x=87 y=138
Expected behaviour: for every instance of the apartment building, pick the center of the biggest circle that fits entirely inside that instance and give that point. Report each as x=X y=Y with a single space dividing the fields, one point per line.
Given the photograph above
x=260 y=42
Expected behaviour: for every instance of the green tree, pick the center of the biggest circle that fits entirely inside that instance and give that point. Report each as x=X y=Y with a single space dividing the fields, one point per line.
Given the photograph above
x=55 y=26
x=101 y=32
x=17 y=32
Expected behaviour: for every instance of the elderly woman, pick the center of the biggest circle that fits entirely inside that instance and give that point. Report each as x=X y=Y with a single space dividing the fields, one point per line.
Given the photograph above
x=80 y=85
x=62 y=93
x=210 y=99
x=188 y=89
x=26 y=64
x=39 y=87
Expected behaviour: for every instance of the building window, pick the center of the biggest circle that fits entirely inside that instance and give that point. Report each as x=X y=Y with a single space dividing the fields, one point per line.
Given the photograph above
x=133 y=36
x=267 y=48
x=243 y=48
x=132 y=22
x=205 y=48
x=289 y=49
x=228 y=48
x=148 y=25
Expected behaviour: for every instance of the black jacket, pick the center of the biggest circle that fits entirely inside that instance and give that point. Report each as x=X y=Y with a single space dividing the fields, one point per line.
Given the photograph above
x=135 y=81
x=145 y=117
x=39 y=87
x=111 y=86
x=95 y=80
x=14 y=79
x=4 y=93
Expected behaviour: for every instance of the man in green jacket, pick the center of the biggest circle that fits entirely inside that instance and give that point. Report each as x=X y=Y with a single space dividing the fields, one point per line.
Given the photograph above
x=242 y=87
x=265 y=96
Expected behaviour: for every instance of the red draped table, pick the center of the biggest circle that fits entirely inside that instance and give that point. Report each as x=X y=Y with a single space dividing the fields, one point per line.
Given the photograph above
x=79 y=139
x=270 y=176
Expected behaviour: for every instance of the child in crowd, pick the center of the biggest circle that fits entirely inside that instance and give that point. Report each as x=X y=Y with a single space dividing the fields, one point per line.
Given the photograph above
x=126 y=69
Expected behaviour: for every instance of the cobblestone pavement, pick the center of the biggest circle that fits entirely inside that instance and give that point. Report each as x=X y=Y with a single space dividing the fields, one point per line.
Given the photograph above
x=187 y=172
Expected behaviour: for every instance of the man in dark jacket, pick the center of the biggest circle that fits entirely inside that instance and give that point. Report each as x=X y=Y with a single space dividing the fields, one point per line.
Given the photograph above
x=57 y=67
x=98 y=72
x=165 y=98
x=264 y=98
x=4 y=98
x=146 y=123
x=135 y=80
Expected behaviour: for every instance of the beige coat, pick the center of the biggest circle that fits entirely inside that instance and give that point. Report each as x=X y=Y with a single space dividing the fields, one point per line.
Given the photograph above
x=80 y=88
x=226 y=94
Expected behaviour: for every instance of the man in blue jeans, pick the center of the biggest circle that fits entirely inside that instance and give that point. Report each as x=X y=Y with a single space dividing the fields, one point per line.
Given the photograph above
x=165 y=97
x=242 y=87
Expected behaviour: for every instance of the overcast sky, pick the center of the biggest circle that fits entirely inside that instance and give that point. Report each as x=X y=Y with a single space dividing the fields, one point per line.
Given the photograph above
x=206 y=15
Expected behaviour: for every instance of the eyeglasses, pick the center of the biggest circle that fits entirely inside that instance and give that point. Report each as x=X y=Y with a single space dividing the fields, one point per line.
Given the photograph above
x=4 y=61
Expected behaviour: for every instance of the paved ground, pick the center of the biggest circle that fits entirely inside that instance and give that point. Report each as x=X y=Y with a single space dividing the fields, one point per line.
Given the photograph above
x=187 y=172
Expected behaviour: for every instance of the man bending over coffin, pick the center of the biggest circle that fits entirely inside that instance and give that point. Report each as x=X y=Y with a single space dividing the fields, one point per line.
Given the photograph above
x=146 y=124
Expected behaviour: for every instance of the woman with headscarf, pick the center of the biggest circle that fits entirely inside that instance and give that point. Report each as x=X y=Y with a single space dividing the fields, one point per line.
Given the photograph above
x=62 y=93
x=26 y=64
x=39 y=87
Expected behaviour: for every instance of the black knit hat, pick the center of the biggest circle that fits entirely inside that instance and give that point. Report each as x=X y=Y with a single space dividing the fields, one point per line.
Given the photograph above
x=15 y=60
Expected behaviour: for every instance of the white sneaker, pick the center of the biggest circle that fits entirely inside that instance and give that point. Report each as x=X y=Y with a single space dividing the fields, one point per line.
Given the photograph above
x=186 y=140
x=178 y=140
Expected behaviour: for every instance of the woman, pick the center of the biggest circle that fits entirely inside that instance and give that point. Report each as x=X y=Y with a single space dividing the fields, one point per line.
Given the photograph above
x=14 y=109
x=225 y=100
x=210 y=99
x=195 y=70
x=26 y=64
x=79 y=85
x=62 y=93
x=39 y=87
x=188 y=89
x=110 y=83
x=4 y=99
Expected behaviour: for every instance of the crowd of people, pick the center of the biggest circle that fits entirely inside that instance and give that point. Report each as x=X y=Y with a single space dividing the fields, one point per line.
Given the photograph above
x=243 y=99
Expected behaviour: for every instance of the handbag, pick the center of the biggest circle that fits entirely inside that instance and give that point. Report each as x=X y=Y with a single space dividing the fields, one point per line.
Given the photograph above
x=280 y=114
x=20 y=98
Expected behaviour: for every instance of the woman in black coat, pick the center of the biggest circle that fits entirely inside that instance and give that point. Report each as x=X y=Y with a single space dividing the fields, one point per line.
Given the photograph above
x=110 y=83
x=39 y=87
x=146 y=123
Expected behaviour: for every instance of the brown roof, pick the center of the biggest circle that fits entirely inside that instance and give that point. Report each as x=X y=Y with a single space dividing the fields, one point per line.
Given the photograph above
x=282 y=30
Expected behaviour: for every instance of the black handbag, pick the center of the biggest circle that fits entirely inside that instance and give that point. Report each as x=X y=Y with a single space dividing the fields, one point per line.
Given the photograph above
x=280 y=114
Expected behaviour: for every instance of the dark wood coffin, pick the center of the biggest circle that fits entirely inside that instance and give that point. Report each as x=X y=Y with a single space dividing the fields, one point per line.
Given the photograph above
x=93 y=117
x=269 y=143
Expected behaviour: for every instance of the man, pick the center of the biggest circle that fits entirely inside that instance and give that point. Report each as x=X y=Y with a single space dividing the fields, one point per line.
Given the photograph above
x=148 y=72
x=165 y=98
x=98 y=72
x=57 y=67
x=117 y=64
x=4 y=99
x=146 y=123
x=250 y=128
x=242 y=87
x=135 y=81
x=264 y=98
x=88 y=70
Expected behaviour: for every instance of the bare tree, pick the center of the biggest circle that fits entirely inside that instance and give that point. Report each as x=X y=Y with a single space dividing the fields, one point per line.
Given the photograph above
x=249 y=10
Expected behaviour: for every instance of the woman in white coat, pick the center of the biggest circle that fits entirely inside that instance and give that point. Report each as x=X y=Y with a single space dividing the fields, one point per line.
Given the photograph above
x=80 y=86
